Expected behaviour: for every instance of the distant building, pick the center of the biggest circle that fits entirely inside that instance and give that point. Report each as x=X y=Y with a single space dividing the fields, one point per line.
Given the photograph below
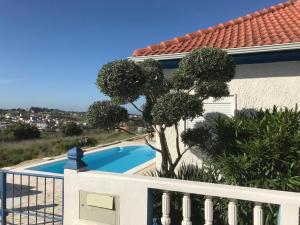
x=33 y=119
x=7 y=116
x=42 y=126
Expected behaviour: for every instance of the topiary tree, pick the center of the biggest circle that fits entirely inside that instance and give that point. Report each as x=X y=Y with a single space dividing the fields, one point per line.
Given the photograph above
x=106 y=115
x=71 y=129
x=202 y=74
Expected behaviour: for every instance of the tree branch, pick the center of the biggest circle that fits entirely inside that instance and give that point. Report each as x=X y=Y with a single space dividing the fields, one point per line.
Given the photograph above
x=178 y=159
x=179 y=154
x=151 y=146
x=134 y=105
x=146 y=141
x=191 y=89
x=177 y=140
x=155 y=128
x=127 y=131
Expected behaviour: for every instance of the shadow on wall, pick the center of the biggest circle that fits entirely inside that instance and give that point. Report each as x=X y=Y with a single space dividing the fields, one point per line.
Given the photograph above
x=268 y=70
x=207 y=121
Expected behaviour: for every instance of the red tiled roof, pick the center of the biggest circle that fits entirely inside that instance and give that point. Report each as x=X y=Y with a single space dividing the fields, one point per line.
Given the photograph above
x=278 y=24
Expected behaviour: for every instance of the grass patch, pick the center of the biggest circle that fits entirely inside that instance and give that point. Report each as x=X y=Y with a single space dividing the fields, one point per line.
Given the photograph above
x=16 y=152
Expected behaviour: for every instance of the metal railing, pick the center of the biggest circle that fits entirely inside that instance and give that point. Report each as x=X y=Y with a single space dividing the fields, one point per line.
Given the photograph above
x=29 y=198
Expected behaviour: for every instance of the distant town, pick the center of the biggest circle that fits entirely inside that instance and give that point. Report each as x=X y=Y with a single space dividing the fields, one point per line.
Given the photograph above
x=36 y=132
x=43 y=118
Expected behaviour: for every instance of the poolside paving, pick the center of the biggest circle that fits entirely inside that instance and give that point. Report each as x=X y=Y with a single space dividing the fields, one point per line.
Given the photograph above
x=35 y=201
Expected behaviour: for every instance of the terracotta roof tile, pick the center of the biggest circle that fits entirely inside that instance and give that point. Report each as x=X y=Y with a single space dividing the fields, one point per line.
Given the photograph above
x=278 y=24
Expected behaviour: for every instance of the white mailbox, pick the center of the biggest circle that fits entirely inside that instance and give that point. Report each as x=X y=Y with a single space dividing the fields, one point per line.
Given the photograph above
x=102 y=209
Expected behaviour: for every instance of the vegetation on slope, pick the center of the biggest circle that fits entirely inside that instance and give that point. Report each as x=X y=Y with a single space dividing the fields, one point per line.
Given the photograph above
x=16 y=152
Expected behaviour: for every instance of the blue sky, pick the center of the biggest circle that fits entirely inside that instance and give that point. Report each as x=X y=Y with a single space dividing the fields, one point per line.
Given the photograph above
x=52 y=50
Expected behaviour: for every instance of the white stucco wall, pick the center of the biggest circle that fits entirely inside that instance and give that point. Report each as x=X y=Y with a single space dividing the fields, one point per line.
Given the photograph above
x=267 y=84
x=255 y=86
x=133 y=197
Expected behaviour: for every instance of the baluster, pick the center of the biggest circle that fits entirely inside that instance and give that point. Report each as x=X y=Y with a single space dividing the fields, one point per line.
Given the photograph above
x=186 y=210
x=209 y=211
x=232 y=212
x=165 y=219
x=258 y=214
x=288 y=214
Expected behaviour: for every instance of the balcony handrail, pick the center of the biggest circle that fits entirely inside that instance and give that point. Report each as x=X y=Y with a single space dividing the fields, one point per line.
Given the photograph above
x=206 y=189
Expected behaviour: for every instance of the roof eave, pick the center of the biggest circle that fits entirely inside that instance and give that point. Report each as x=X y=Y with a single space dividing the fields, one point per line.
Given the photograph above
x=230 y=51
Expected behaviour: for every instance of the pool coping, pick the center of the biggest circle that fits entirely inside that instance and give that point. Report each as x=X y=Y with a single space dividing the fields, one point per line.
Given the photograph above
x=140 y=167
x=85 y=149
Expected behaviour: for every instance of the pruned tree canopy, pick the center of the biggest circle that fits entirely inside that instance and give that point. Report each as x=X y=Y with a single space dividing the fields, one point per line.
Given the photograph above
x=206 y=65
x=154 y=77
x=173 y=107
x=106 y=115
x=122 y=80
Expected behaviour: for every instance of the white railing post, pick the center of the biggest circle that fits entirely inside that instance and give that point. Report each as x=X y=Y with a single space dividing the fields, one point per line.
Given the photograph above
x=232 y=212
x=186 y=210
x=288 y=215
x=208 y=211
x=165 y=219
x=258 y=218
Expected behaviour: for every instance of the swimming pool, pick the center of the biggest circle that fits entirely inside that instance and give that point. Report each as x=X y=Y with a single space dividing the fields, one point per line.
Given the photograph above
x=116 y=159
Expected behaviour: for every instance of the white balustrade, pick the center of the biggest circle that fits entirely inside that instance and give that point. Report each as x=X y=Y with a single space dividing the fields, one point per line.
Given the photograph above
x=208 y=211
x=186 y=210
x=258 y=218
x=232 y=212
x=165 y=219
x=289 y=215
x=136 y=213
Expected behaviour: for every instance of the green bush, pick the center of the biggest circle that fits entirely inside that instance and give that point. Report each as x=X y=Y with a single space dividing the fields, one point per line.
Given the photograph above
x=71 y=129
x=23 y=131
x=256 y=150
x=260 y=149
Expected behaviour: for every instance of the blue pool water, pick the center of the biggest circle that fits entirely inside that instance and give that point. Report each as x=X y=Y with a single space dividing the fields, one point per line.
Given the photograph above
x=116 y=159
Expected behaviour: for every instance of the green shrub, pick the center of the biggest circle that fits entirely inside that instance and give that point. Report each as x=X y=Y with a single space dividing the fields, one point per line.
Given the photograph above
x=257 y=150
x=260 y=149
x=23 y=131
x=71 y=129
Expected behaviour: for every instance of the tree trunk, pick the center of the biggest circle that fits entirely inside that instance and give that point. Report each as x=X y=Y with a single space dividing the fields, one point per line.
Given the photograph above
x=164 y=152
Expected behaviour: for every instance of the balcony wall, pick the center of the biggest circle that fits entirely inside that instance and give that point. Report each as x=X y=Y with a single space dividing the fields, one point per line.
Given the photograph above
x=135 y=199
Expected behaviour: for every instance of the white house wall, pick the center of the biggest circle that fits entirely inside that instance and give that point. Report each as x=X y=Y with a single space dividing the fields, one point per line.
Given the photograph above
x=254 y=86
x=268 y=84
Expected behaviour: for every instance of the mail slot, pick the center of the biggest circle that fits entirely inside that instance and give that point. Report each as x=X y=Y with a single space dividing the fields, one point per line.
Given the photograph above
x=100 y=208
